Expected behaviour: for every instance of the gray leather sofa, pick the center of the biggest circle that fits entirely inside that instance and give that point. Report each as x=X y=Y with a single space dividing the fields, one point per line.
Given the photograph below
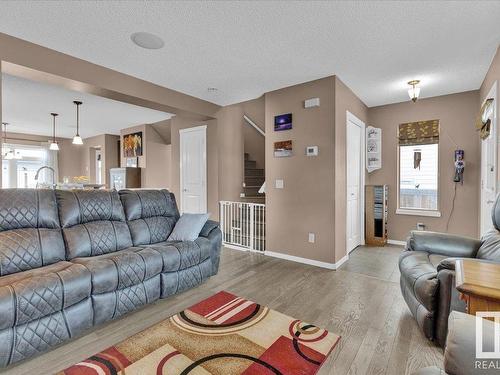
x=73 y=259
x=427 y=269
x=460 y=351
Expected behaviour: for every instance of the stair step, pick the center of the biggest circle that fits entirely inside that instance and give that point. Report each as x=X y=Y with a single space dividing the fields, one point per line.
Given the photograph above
x=250 y=164
x=254 y=172
x=251 y=190
x=254 y=180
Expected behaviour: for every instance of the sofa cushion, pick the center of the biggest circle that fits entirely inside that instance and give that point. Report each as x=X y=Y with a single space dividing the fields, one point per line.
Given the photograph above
x=30 y=295
x=151 y=215
x=179 y=255
x=30 y=234
x=419 y=274
x=93 y=222
x=122 y=269
x=490 y=247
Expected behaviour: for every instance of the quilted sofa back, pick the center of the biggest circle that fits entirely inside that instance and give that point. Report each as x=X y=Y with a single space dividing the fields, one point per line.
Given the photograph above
x=30 y=234
x=93 y=222
x=151 y=214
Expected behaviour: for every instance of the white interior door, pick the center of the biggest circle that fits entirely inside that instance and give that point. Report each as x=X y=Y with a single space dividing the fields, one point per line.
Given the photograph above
x=355 y=182
x=193 y=157
x=489 y=168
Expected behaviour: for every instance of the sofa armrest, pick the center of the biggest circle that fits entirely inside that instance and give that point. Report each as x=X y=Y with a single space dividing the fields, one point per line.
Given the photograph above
x=449 y=263
x=443 y=244
x=460 y=352
x=209 y=226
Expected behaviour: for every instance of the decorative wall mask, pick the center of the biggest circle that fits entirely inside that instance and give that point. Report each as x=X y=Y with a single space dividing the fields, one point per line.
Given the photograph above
x=483 y=122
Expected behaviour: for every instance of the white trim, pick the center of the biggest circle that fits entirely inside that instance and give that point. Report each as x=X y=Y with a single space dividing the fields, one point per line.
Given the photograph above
x=205 y=195
x=311 y=262
x=407 y=211
x=361 y=124
x=250 y=122
x=396 y=242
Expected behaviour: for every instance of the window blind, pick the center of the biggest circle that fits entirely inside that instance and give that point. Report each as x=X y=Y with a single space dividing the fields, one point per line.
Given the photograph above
x=419 y=133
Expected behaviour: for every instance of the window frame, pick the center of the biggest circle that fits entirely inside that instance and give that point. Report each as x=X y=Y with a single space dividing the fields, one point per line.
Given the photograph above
x=417 y=211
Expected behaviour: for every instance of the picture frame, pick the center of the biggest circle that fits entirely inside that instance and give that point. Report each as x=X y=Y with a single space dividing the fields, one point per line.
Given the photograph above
x=283 y=149
x=132 y=162
x=283 y=122
x=132 y=145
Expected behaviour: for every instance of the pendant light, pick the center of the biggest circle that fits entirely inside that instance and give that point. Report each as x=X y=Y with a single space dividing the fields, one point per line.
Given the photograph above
x=54 y=146
x=77 y=140
x=413 y=91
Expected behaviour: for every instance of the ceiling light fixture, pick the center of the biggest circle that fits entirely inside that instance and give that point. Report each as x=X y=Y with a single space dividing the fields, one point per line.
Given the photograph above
x=413 y=91
x=77 y=140
x=54 y=146
x=147 y=40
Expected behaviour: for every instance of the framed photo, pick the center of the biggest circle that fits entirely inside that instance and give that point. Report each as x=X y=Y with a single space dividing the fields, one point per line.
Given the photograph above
x=132 y=162
x=283 y=122
x=132 y=145
x=283 y=149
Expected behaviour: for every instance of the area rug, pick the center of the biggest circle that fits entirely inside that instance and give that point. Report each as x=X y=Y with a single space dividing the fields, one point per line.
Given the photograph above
x=222 y=335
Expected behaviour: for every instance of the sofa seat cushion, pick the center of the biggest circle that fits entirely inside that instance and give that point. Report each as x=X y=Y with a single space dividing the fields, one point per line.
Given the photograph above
x=419 y=274
x=179 y=255
x=30 y=295
x=122 y=269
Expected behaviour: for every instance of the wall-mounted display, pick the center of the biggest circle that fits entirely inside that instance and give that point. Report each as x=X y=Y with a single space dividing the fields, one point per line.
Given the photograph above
x=373 y=148
x=132 y=145
x=282 y=149
x=283 y=122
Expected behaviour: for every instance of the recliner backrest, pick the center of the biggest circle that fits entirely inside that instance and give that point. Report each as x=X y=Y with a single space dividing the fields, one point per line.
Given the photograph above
x=93 y=222
x=30 y=233
x=151 y=214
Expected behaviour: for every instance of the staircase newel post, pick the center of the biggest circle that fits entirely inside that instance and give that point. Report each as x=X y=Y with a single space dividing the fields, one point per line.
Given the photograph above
x=252 y=226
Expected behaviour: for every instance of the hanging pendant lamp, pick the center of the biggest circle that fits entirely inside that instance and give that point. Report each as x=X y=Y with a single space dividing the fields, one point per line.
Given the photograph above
x=77 y=140
x=54 y=146
x=413 y=91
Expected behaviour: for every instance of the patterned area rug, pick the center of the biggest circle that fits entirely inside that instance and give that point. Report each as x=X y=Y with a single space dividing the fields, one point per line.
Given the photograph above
x=222 y=335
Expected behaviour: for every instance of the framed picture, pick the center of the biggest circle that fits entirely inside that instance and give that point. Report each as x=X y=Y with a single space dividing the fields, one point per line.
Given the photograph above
x=282 y=149
x=132 y=162
x=132 y=145
x=283 y=122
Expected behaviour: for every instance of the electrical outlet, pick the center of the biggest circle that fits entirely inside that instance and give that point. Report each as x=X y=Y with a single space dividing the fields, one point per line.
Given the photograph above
x=279 y=184
x=312 y=237
x=420 y=226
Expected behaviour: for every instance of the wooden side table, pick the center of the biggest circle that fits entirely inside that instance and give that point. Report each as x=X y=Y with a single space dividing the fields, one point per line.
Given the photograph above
x=479 y=283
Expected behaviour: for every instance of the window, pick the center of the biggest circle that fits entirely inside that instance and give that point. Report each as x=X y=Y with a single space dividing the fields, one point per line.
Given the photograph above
x=418 y=187
x=20 y=165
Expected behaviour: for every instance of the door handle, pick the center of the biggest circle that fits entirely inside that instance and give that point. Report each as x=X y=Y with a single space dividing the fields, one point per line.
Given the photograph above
x=490 y=201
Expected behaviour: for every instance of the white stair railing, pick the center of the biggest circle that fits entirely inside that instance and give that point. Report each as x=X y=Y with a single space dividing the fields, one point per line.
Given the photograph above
x=243 y=225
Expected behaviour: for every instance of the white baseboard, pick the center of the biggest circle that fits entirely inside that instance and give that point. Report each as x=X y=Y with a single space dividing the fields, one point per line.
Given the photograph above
x=312 y=262
x=396 y=242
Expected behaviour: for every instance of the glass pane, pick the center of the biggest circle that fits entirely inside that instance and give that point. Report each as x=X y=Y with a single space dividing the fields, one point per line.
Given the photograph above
x=5 y=174
x=26 y=171
x=418 y=187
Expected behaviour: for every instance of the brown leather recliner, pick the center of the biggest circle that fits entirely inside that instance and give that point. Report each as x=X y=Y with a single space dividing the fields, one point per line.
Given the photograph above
x=427 y=269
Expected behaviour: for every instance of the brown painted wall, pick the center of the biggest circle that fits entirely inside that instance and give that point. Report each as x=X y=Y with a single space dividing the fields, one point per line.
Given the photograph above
x=345 y=100
x=108 y=145
x=306 y=204
x=178 y=123
x=230 y=140
x=492 y=75
x=457 y=114
x=32 y=61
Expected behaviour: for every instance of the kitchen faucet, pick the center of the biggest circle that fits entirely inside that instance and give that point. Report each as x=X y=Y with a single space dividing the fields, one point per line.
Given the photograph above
x=53 y=175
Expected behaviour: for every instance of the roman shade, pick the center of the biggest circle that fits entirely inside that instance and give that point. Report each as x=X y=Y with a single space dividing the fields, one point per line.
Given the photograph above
x=419 y=133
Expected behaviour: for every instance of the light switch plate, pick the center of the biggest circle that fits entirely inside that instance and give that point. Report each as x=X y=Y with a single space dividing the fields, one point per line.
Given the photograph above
x=313 y=102
x=312 y=150
x=312 y=237
x=279 y=184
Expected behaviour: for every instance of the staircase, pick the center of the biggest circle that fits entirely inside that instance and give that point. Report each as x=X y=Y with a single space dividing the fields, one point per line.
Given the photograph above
x=254 y=178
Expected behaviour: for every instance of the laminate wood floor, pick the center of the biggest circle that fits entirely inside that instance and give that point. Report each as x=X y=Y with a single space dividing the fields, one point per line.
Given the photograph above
x=361 y=302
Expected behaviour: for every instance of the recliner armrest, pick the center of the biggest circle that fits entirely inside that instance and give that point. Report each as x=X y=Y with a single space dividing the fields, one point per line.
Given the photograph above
x=443 y=244
x=209 y=226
